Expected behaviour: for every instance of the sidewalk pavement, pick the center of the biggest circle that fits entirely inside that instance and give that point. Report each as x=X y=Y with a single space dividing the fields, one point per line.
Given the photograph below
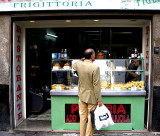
x=100 y=133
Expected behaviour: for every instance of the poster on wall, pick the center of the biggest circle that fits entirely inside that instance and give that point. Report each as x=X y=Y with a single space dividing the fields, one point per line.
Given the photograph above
x=18 y=74
x=32 y=5
x=120 y=113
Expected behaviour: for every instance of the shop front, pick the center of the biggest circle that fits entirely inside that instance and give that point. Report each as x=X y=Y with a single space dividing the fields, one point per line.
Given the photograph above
x=51 y=52
x=50 y=36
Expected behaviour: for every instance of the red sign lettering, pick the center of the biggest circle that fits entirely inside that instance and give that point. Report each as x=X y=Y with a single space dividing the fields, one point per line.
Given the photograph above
x=18 y=39
x=18 y=28
x=19 y=106
x=18 y=57
x=19 y=97
x=147 y=54
x=147 y=42
x=18 y=78
x=147 y=65
x=146 y=78
x=120 y=118
x=18 y=68
x=19 y=115
x=18 y=48
x=110 y=107
x=119 y=112
x=17 y=75
x=71 y=118
x=147 y=30
x=74 y=107
x=121 y=109
x=116 y=110
x=18 y=88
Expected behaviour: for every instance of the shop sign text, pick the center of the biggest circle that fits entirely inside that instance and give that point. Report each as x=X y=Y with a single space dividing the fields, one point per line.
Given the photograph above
x=17 y=73
x=52 y=4
x=23 y=5
x=147 y=54
x=120 y=113
x=147 y=2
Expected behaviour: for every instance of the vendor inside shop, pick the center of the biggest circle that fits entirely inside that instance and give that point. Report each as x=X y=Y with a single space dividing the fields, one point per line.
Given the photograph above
x=100 y=55
x=134 y=76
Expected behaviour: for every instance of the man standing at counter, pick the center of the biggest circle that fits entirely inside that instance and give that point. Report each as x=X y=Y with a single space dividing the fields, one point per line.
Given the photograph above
x=88 y=90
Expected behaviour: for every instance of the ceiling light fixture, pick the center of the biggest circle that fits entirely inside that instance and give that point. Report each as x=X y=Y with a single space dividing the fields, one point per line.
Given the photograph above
x=96 y=20
x=55 y=36
x=68 y=21
x=32 y=21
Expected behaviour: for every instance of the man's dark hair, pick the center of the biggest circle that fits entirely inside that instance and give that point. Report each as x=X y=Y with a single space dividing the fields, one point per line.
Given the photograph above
x=88 y=53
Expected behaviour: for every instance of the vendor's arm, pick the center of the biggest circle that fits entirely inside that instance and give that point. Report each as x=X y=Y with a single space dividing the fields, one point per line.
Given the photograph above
x=133 y=74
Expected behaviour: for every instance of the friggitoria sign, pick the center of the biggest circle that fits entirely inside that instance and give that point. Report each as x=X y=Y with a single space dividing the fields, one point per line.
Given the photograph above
x=32 y=5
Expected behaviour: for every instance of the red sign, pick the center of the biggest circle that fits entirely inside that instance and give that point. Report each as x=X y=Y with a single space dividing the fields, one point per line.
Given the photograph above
x=17 y=74
x=147 y=53
x=120 y=113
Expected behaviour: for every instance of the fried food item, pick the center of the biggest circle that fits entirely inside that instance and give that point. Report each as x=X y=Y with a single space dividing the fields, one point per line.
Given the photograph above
x=138 y=84
x=117 y=86
x=55 y=86
x=58 y=65
x=104 y=85
x=67 y=64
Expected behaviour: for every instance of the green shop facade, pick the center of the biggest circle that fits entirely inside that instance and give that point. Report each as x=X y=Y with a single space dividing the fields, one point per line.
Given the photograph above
x=26 y=60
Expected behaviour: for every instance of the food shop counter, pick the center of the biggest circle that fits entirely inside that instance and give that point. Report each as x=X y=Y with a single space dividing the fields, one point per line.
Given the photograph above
x=127 y=109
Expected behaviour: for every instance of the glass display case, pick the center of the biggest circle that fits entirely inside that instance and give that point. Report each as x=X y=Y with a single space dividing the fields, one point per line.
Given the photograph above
x=61 y=74
x=115 y=74
x=121 y=74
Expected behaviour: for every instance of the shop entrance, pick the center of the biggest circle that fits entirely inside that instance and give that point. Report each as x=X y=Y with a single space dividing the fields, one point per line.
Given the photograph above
x=116 y=43
x=42 y=38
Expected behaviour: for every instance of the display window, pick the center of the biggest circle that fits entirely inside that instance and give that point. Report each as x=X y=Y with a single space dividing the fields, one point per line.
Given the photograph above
x=51 y=47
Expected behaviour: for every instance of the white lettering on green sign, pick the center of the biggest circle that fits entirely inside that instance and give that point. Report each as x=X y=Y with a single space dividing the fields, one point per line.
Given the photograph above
x=52 y=4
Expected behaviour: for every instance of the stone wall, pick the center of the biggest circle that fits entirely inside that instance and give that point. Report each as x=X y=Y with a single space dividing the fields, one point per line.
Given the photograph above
x=4 y=108
x=156 y=57
x=5 y=45
x=156 y=75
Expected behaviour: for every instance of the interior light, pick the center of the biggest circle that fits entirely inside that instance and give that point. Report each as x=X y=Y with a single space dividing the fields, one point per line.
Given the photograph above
x=68 y=21
x=122 y=32
x=96 y=20
x=32 y=21
x=52 y=35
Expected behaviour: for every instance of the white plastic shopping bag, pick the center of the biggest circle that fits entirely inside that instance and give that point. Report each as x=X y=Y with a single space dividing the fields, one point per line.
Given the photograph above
x=102 y=117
